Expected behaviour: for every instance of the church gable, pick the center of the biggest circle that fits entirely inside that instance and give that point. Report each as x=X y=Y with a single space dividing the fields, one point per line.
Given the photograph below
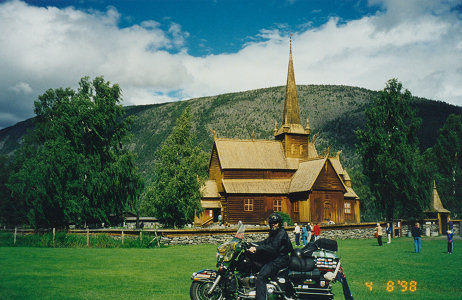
x=329 y=179
x=214 y=165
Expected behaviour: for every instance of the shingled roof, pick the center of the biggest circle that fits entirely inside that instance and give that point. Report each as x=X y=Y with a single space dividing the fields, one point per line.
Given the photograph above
x=210 y=189
x=306 y=175
x=251 y=154
x=256 y=186
x=436 y=205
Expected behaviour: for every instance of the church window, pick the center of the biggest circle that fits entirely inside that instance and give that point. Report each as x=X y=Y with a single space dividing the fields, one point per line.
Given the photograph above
x=301 y=149
x=248 y=205
x=296 y=209
x=277 y=205
x=347 y=207
x=292 y=149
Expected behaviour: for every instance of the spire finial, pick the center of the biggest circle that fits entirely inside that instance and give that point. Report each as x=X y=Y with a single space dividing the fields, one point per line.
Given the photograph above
x=290 y=38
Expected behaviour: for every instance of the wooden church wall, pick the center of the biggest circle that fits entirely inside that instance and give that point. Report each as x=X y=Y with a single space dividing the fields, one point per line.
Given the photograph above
x=327 y=200
x=215 y=170
x=237 y=212
x=263 y=206
x=327 y=206
x=350 y=217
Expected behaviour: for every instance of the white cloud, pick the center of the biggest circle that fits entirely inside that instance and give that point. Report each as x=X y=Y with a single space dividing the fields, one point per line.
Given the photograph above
x=418 y=42
x=21 y=88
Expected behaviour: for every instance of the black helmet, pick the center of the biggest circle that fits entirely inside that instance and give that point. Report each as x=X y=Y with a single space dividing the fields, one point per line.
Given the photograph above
x=275 y=218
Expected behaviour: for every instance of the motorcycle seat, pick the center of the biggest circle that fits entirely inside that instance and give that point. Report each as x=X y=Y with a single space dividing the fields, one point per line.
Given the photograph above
x=301 y=264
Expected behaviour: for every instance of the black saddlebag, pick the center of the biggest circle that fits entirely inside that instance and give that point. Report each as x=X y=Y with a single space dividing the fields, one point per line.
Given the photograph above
x=308 y=249
x=327 y=244
x=299 y=263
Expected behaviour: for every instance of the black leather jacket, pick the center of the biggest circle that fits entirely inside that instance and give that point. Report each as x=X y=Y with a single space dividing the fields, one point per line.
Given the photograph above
x=277 y=244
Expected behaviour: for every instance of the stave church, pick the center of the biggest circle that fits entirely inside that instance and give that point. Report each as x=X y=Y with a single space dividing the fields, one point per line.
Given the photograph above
x=250 y=179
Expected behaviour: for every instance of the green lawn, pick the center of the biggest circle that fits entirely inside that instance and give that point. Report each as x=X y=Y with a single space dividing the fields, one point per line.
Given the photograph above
x=164 y=273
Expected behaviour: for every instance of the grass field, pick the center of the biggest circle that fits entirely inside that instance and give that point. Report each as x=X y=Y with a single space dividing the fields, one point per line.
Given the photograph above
x=164 y=273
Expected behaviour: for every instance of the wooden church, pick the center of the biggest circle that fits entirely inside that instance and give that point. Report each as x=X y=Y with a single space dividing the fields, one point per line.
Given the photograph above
x=250 y=179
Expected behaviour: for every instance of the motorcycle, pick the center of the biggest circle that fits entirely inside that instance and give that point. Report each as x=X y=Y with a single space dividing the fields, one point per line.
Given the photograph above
x=310 y=275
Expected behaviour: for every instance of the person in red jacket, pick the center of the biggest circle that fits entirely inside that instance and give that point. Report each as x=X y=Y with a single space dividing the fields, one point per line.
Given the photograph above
x=317 y=231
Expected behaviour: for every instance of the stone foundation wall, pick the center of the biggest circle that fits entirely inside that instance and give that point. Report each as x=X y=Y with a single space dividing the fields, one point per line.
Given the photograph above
x=362 y=233
x=335 y=234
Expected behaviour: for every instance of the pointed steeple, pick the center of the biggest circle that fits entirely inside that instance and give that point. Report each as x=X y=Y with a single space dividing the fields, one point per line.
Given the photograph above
x=436 y=205
x=291 y=114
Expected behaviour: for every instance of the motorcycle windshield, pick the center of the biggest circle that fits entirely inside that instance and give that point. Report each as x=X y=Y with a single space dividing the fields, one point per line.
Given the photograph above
x=227 y=249
x=240 y=231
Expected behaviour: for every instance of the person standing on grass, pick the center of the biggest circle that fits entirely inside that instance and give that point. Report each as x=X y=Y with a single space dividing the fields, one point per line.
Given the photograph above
x=379 y=233
x=308 y=231
x=304 y=235
x=416 y=233
x=389 y=231
x=297 y=234
x=450 y=243
x=450 y=225
x=317 y=231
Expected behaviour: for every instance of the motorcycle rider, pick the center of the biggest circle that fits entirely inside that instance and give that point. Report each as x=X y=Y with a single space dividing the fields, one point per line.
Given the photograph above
x=275 y=250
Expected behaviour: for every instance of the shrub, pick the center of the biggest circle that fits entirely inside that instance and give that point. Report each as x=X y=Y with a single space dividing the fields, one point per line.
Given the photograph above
x=286 y=218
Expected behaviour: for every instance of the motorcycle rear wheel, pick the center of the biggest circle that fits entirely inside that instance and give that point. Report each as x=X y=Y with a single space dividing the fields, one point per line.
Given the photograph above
x=199 y=291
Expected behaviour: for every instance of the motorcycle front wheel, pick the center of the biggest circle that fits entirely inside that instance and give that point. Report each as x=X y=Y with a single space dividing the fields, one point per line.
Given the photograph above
x=199 y=291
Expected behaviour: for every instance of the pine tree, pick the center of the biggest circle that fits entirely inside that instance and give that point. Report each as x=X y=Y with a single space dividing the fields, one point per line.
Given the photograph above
x=390 y=154
x=174 y=195
x=445 y=160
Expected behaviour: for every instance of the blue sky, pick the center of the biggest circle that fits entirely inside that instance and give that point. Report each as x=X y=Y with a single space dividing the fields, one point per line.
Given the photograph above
x=224 y=26
x=171 y=50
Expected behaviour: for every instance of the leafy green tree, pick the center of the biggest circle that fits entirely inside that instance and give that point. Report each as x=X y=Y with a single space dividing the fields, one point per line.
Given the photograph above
x=11 y=213
x=368 y=203
x=73 y=167
x=390 y=154
x=174 y=195
x=445 y=160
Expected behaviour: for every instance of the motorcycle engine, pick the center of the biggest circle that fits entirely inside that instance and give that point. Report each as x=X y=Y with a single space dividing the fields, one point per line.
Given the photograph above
x=248 y=282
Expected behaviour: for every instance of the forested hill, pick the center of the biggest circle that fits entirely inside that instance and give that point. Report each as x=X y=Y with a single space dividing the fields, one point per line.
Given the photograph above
x=334 y=113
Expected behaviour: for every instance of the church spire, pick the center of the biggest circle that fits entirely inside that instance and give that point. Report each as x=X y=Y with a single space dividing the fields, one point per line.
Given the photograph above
x=291 y=114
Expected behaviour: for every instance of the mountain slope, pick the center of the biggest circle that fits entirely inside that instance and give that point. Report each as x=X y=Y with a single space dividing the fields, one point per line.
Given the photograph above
x=334 y=113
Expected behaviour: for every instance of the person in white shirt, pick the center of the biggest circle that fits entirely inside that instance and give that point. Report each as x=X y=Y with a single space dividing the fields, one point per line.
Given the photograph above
x=297 y=234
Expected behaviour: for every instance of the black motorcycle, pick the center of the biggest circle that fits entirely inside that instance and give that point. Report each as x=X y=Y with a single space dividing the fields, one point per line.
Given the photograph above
x=311 y=273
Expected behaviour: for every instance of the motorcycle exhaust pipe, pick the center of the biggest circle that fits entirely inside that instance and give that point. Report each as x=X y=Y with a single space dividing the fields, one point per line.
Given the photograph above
x=214 y=285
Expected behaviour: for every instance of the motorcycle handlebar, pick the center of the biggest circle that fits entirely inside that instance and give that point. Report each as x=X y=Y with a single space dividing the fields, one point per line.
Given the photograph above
x=247 y=245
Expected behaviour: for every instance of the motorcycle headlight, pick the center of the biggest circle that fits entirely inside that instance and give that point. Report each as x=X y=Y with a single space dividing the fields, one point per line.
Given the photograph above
x=219 y=257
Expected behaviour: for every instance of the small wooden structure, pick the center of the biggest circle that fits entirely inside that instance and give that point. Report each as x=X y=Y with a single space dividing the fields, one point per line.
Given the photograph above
x=437 y=211
x=250 y=179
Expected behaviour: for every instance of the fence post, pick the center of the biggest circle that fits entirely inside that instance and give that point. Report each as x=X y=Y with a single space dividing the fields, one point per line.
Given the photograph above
x=54 y=233
x=122 y=237
x=141 y=235
x=88 y=237
x=15 y=232
x=158 y=239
